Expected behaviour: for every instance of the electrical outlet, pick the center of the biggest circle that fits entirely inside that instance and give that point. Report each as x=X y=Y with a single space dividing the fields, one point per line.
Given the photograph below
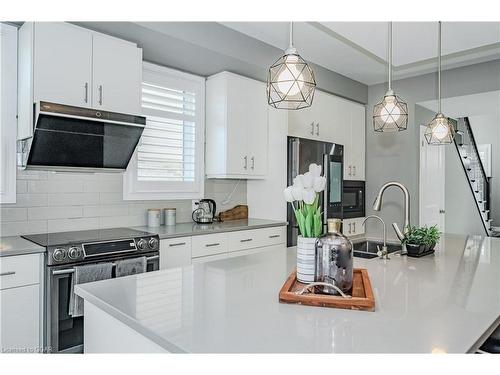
x=194 y=204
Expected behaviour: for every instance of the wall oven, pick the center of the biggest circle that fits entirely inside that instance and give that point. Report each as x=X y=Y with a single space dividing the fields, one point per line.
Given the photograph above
x=353 y=199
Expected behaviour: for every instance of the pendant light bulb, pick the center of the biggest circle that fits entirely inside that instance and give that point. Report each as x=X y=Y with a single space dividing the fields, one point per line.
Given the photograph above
x=440 y=130
x=391 y=113
x=290 y=81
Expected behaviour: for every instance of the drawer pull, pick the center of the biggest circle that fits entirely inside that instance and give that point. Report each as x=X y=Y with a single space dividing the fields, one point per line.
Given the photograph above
x=212 y=244
x=247 y=240
x=8 y=273
x=177 y=244
x=274 y=236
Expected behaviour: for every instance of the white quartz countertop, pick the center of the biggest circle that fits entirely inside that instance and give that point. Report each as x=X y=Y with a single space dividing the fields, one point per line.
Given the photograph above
x=446 y=302
x=16 y=245
x=194 y=229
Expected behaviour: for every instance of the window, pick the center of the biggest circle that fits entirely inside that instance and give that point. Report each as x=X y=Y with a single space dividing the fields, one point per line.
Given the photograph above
x=168 y=162
x=8 y=112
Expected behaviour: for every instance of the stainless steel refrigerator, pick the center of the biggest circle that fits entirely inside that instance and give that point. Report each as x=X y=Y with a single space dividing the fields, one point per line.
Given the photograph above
x=301 y=153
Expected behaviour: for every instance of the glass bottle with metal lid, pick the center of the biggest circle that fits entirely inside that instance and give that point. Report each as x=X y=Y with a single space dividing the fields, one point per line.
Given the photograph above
x=334 y=260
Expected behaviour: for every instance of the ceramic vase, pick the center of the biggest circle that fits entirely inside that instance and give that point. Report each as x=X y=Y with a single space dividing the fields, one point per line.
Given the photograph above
x=306 y=259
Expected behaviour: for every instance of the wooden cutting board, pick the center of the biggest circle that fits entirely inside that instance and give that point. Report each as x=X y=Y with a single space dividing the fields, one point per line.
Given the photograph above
x=362 y=294
x=236 y=213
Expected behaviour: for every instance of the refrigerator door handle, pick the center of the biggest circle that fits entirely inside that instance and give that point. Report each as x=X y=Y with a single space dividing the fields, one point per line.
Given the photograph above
x=295 y=159
x=326 y=160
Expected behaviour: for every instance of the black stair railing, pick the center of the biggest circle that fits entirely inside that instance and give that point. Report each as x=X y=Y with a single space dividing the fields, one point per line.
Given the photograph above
x=472 y=164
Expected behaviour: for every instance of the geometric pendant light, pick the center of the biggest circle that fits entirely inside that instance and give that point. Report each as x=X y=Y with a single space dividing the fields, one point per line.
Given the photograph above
x=440 y=130
x=391 y=114
x=290 y=80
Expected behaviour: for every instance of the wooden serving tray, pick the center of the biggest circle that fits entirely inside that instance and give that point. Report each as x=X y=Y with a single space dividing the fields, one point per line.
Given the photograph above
x=362 y=294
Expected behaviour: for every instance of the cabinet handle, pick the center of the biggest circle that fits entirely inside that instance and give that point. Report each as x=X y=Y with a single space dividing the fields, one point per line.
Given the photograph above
x=253 y=162
x=212 y=244
x=247 y=240
x=8 y=273
x=177 y=244
x=312 y=128
x=317 y=129
x=354 y=170
x=86 y=98
x=245 y=166
x=100 y=94
x=354 y=228
x=350 y=171
x=274 y=236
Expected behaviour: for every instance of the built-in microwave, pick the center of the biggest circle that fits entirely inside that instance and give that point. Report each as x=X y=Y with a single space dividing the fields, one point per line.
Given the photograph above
x=353 y=199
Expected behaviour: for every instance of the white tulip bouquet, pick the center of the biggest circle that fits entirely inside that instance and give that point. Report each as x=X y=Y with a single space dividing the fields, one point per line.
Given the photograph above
x=305 y=191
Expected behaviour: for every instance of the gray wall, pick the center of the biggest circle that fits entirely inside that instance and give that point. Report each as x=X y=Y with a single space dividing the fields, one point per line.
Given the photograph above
x=395 y=156
x=206 y=48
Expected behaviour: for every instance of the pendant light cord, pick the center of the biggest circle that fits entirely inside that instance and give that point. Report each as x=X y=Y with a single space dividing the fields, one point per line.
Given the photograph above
x=291 y=35
x=390 y=55
x=439 y=67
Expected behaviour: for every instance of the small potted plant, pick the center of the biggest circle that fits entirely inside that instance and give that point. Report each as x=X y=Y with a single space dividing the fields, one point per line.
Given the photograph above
x=421 y=241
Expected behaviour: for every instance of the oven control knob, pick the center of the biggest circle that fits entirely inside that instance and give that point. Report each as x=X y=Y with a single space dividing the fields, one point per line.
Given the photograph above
x=141 y=245
x=59 y=254
x=74 y=253
x=153 y=243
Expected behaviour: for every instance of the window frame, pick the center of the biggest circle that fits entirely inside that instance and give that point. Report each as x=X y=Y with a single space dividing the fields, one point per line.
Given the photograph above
x=161 y=190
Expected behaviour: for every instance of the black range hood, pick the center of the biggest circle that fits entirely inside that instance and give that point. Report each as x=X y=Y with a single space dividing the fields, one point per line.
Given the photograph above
x=68 y=138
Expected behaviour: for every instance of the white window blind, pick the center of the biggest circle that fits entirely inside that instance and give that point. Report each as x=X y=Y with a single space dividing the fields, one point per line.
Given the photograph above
x=169 y=158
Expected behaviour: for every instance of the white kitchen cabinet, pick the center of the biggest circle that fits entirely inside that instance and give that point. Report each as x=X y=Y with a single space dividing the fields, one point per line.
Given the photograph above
x=116 y=75
x=236 y=127
x=315 y=122
x=209 y=244
x=354 y=152
x=175 y=252
x=20 y=303
x=63 y=63
x=353 y=227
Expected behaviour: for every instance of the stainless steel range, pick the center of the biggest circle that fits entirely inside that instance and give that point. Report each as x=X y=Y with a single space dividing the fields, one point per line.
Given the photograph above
x=69 y=250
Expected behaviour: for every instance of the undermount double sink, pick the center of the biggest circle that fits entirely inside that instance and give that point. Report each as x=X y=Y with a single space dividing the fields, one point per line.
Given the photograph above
x=368 y=249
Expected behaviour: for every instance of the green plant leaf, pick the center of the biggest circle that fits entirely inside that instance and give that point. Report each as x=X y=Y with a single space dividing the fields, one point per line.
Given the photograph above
x=309 y=226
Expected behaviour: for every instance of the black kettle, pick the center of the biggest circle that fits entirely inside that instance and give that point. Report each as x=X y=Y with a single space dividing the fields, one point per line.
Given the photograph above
x=205 y=213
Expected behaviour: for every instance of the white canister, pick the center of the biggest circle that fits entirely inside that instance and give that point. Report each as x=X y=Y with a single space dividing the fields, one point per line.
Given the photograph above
x=306 y=256
x=154 y=217
x=169 y=216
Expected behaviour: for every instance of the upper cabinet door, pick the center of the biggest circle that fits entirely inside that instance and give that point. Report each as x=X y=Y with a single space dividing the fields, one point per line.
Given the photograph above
x=357 y=147
x=257 y=130
x=62 y=64
x=117 y=75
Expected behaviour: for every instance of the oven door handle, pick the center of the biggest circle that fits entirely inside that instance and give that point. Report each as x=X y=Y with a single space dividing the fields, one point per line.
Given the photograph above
x=72 y=270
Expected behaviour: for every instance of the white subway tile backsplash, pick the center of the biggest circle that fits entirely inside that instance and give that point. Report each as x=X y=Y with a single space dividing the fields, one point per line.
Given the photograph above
x=103 y=185
x=21 y=186
x=25 y=227
x=107 y=210
x=73 y=199
x=13 y=214
x=45 y=213
x=55 y=186
x=66 y=225
x=54 y=202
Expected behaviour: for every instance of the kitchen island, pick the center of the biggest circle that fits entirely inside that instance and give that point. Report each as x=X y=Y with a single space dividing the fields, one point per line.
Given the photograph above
x=447 y=302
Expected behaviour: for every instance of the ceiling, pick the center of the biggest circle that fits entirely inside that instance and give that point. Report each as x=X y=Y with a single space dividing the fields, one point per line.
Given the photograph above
x=359 y=50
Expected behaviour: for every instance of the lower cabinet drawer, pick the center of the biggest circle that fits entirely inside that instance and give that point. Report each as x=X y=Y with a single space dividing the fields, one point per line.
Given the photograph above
x=19 y=270
x=273 y=236
x=244 y=239
x=175 y=252
x=209 y=244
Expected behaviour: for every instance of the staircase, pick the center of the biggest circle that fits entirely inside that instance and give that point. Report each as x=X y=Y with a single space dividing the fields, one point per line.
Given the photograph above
x=474 y=170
